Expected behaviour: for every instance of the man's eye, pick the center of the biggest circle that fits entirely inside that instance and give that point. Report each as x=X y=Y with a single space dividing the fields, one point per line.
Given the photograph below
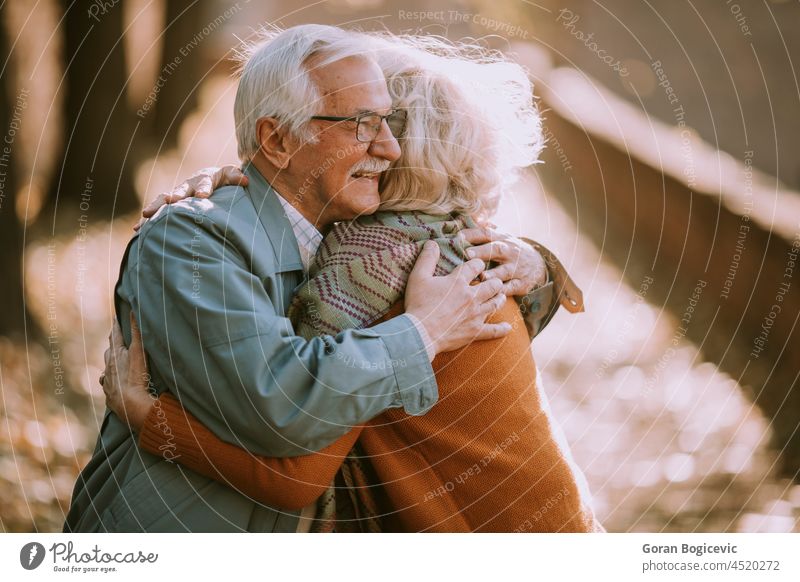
x=371 y=120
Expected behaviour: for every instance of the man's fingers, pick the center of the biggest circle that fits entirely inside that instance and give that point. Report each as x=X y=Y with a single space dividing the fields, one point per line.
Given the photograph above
x=494 y=304
x=493 y=331
x=427 y=260
x=469 y=270
x=504 y=272
x=486 y=290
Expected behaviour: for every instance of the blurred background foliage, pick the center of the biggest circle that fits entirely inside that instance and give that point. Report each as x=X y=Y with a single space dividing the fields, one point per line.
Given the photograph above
x=679 y=175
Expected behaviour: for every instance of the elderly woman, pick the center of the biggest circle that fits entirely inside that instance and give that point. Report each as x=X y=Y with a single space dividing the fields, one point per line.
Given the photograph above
x=487 y=456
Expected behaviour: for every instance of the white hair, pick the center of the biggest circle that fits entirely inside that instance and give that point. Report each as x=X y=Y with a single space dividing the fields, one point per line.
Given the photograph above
x=472 y=124
x=274 y=78
x=472 y=121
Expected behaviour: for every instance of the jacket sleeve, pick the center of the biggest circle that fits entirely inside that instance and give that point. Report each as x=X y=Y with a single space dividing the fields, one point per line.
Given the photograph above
x=215 y=339
x=289 y=483
x=540 y=305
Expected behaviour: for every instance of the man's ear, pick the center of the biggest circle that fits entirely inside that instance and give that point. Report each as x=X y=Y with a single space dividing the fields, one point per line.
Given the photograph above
x=275 y=142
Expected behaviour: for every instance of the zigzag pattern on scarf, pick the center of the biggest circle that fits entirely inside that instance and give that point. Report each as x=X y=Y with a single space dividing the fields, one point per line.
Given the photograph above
x=362 y=268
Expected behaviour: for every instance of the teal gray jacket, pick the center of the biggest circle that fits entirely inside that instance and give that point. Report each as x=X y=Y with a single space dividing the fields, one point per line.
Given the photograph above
x=210 y=282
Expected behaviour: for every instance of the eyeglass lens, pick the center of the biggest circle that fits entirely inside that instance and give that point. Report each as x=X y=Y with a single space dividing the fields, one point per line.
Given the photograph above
x=370 y=125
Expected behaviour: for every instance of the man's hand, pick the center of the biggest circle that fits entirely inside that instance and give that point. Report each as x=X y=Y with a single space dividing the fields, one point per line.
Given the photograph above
x=452 y=310
x=519 y=266
x=201 y=185
x=125 y=380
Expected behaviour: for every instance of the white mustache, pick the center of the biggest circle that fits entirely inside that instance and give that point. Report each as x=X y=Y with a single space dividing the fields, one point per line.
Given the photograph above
x=371 y=166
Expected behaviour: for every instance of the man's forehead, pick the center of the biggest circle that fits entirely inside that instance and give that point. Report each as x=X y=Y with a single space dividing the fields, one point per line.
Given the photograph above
x=348 y=107
x=347 y=74
x=357 y=86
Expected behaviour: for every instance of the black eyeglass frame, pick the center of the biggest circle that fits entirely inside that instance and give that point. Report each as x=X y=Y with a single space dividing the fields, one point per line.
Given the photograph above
x=396 y=131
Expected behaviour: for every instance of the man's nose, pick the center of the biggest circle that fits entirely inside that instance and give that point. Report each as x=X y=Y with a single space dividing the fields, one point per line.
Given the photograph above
x=385 y=144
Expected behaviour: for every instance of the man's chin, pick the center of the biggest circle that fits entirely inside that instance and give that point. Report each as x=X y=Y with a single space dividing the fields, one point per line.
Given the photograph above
x=363 y=202
x=373 y=208
x=364 y=209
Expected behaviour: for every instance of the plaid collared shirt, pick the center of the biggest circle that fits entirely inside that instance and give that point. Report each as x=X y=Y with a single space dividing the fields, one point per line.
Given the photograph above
x=308 y=237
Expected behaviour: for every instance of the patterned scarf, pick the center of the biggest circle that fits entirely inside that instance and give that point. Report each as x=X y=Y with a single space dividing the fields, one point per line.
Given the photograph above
x=362 y=267
x=360 y=271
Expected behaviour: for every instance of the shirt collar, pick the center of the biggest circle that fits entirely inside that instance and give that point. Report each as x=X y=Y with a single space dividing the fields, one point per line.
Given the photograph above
x=307 y=235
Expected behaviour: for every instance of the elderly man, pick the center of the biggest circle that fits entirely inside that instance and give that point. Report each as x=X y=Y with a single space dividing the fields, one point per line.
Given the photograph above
x=209 y=282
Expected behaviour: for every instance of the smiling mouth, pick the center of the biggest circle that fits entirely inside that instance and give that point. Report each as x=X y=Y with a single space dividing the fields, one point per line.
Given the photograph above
x=365 y=175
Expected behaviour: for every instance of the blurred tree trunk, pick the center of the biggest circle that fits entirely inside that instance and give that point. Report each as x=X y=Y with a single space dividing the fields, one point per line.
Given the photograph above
x=13 y=314
x=182 y=68
x=95 y=175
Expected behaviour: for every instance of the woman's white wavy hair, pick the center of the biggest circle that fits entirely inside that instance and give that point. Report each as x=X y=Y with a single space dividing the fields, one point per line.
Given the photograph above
x=472 y=121
x=472 y=124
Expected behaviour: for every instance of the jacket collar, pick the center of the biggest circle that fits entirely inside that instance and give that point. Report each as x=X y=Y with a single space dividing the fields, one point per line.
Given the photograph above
x=273 y=219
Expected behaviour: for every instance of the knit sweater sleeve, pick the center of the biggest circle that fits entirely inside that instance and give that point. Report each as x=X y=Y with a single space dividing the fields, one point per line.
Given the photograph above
x=289 y=483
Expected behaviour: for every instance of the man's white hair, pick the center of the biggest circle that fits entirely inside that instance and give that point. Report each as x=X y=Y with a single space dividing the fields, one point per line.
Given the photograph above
x=274 y=78
x=472 y=120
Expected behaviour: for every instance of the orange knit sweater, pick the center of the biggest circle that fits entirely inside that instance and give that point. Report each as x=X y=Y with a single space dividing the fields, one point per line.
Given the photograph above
x=483 y=459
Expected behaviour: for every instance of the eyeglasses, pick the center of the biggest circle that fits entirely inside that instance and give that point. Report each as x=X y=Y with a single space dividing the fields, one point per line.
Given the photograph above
x=368 y=125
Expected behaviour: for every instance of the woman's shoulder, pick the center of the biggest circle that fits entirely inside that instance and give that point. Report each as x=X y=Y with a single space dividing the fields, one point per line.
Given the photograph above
x=396 y=226
x=393 y=232
x=411 y=219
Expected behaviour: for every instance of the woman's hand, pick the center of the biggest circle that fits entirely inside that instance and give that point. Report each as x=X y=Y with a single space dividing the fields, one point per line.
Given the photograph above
x=201 y=185
x=125 y=380
x=518 y=265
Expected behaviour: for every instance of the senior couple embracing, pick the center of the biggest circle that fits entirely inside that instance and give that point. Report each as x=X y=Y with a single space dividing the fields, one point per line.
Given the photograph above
x=335 y=340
